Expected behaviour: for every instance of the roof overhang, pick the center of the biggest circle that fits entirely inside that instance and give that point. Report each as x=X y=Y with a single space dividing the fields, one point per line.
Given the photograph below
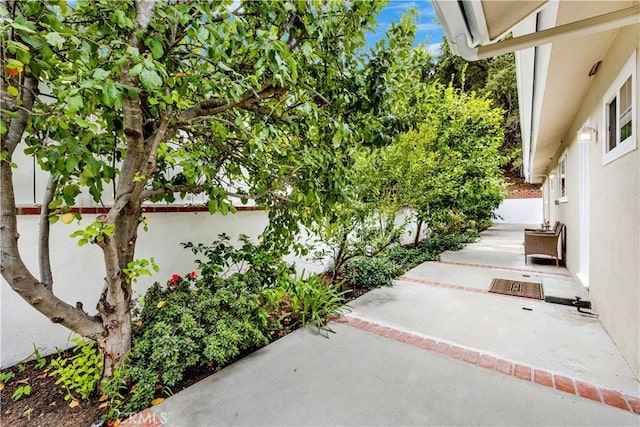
x=472 y=25
x=475 y=28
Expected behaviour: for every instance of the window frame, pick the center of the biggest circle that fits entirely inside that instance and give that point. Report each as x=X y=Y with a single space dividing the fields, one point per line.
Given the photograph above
x=562 y=179
x=613 y=95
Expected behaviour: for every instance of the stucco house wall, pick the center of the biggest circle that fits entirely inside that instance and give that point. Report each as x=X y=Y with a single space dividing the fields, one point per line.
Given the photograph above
x=613 y=203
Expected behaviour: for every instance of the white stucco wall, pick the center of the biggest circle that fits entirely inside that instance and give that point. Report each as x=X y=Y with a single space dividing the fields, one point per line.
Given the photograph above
x=519 y=211
x=614 y=207
x=78 y=272
x=615 y=219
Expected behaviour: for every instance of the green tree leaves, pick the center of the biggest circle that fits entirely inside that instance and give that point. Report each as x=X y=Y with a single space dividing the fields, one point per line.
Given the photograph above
x=150 y=79
x=257 y=100
x=494 y=78
x=55 y=40
x=448 y=168
x=75 y=103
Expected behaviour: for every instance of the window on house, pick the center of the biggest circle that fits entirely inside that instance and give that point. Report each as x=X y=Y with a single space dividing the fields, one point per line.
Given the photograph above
x=562 y=179
x=620 y=111
x=626 y=120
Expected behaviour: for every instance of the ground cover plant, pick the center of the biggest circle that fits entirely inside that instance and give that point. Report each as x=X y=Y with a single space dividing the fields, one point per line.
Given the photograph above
x=238 y=300
x=56 y=396
x=407 y=257
x=370 y=272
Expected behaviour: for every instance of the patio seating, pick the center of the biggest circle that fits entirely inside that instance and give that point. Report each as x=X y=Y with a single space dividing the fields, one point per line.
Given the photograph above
x=543 y=242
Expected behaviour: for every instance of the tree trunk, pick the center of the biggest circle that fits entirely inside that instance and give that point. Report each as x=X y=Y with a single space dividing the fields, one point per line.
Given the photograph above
x=339 y=259
x=114 y=305
x=115 y=309
x=418 y=231
x=115 y=302
x=38 y=295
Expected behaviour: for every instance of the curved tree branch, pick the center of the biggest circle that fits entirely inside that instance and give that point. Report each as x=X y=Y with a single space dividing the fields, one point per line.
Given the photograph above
x=210 y=107
x=132 y=113
x=23 y=282
x=318 y=94
x=152 y=152
x=12 y=267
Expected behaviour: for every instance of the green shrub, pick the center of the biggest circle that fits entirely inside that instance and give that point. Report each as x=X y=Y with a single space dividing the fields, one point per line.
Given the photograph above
x=223 y=259
x=189 y=322
x=310 y=300
x=483 y=224
x=370 y=273
x=195 y=321
x=408 y=258
x=450 y=242
x=79 y=373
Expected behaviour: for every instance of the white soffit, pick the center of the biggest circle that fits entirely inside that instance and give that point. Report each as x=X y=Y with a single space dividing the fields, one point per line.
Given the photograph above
x=502 y=16
x=467 y=27
x=471 y=23
x=532 y=66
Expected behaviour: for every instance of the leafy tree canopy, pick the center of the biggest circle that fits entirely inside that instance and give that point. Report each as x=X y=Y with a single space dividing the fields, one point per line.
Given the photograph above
x=250 y=100
x=447 y=169
x=495 y=78
x=443 y=161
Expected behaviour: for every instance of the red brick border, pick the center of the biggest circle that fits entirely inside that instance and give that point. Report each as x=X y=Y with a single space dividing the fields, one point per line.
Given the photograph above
x=565 y=384
x=35 y=210
x=543 y=378
x=522 y=372
x=614 y=398
x=497 y=267
x=530 y=374
x=445 y=285
x=634 y=403
x=487 y=361
x=460 y=288
x=588 y=391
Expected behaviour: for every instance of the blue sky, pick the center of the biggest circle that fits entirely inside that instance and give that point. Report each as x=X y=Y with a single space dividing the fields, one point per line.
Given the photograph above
x=428 y=31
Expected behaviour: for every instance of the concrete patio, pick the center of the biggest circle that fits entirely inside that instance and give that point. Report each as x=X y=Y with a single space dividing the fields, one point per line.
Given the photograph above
x=435 y=349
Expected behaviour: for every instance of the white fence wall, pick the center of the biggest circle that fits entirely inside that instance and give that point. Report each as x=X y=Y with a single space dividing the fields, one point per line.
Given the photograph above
x=520 y=211
x=78 y=272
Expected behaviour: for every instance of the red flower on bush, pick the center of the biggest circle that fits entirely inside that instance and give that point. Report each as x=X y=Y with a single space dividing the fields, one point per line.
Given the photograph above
x=175 y=278
x=193 y=275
